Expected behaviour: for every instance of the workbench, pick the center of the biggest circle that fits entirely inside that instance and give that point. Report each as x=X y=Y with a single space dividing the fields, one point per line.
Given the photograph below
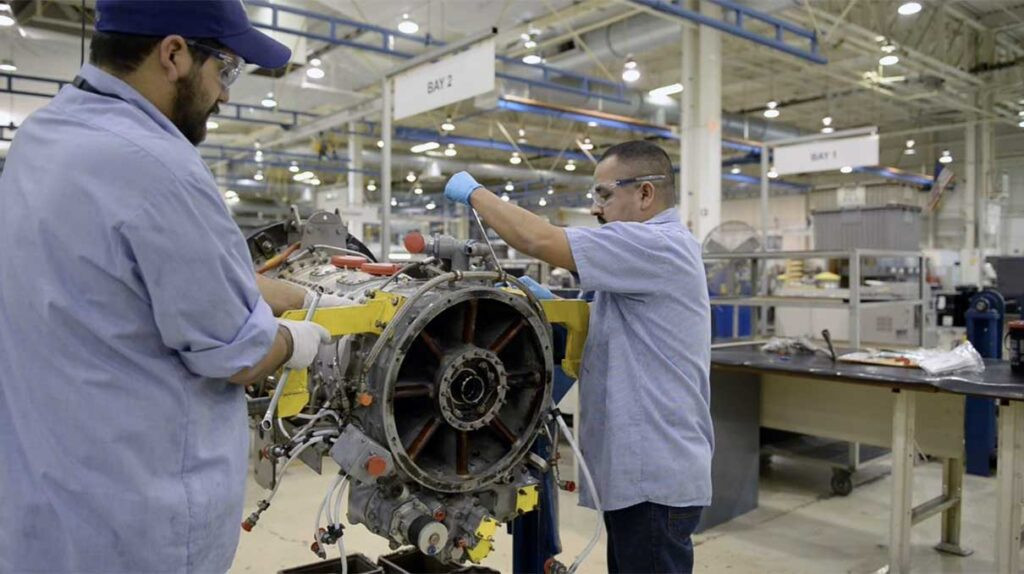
x=896 y=408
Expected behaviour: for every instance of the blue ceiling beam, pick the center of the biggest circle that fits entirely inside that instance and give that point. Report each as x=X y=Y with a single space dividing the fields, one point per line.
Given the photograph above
x=897 y=174
x=733 y=20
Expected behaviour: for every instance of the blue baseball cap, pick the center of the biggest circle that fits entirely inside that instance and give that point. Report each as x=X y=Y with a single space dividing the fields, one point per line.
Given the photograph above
x=222 y=20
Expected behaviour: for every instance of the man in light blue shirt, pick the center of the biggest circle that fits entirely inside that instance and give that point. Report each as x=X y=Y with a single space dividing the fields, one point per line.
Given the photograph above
x=130 y=316
x=646 y=429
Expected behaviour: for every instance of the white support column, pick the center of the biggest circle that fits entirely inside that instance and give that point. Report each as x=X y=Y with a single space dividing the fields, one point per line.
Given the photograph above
x=901 y=507
x=1008 y=486
x=385 y=172
x=701 y=136
x=971 y=187
x=355 y=156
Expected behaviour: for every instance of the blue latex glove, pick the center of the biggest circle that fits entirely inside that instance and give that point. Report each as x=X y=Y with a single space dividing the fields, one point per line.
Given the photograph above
x=460 y=187
x=538 y=290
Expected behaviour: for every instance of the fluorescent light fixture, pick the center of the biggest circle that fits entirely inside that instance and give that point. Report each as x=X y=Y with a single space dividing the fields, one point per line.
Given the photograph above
x=772 y=111
x=269 y=101
x=912 y=151
x=910 y=143
x=772 y=174
x=530 y=44
x=551 y=191
x=509 y=187
x=294 y=167
x=587 y=144
x=258 y=157
x=515 y=159
x=666 y=90
x=826 y=121
x=1021 y=124
x=532 y=59
x=420 y=148
x=211 y=125
x=889 y=60
x=304 y=176
x=258 y=176
x=450 y=151
x=590 y=195
x=315 y=62
x=6 y=20
x=394 y=202
x=372 y=186
x=407 y=26
x=380 y=144
x=7 y=65
x=591 y=124
x=315 y=73
x=542 y=202
x=846 y=169
x=504 y=197
x=230 y=194
x=827 y=129
x=946 y=157
x=431 y=205
x=909 y=8
x=735 y=170
x=410 y=177
x=417 y=190
x=314 y=181
x=630 y=70
x=570 y=165
x=448 y=126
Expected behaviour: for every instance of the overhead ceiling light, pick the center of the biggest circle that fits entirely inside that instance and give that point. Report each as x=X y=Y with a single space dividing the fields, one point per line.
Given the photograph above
x=1021 y=124
x=542 y=202
x=912 y=151
x=551 y=191
x=448 y=126
x=7 y=65
x=231 y=195
x=591 y=124
x=504 y=197
x=735 y=170
x=304 y=176
x=909 y=8
x=590 y=195
x=294 y=167
x=946 y=157
x=509 y=186
x=314 y=181
x=258 y=157
x=450 y=150
x=570 y=165
x=515 y=159
x=826 y=121
x=827 y=129
x=431 y=205
x=587 y=144
x=380 y=144
x=6 y=20
x=394 y=202
x=410 y=177
x=407 y=26
x=258 y=176
x=666 y=90
x=315 y=73
x=630 y=70
x=427 y=146
x=315 y=62
x=417 y=190
x=910 y=143
x=211 y=125
x=772 y=111
x=533 y=58
x=529 y=43
x=889 y=60
x=772 y=174
x=846 y=169
x=372 y=186
x=269 y=101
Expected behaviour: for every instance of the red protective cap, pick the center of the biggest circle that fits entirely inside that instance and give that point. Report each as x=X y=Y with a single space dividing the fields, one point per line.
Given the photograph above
x=414 y=242
x=347 y=261
x=382 y=269
x=1015 y=326
x=376 y=465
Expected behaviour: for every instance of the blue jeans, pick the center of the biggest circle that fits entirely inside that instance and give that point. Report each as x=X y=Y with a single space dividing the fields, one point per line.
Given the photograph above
x=651 y=538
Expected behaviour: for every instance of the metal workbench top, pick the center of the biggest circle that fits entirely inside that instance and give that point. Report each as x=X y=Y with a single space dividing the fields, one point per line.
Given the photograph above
x=996 y=382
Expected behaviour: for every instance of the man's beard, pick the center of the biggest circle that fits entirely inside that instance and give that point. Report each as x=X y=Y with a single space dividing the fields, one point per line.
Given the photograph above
x=601 y=220
x=188 y=112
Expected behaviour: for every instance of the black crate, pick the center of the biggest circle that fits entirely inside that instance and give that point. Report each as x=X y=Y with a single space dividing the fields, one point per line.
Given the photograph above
x=412 y=561
x=357 y=564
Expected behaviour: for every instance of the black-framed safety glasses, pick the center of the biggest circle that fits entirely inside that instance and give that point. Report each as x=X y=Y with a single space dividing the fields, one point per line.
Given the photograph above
x=231 y=66
x=601 y=192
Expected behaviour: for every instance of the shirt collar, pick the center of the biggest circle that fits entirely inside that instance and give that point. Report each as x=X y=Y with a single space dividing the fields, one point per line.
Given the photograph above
x=668 y=216
x=109 y=84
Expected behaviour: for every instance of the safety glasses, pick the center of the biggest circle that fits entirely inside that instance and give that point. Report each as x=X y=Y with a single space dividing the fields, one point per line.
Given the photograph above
x=231 y=66
x=602 y=193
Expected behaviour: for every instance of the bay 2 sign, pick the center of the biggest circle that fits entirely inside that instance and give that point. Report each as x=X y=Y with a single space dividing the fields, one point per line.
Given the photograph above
x=827 y=155
x=453 y=78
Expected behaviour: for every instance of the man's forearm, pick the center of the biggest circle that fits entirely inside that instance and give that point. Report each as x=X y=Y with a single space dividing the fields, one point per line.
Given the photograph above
x=280 y=295
x=280 y=351
x=524 y=231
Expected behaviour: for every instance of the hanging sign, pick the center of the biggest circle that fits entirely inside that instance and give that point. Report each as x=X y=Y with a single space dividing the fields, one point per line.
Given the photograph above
x=827 y=155
x=445 y=81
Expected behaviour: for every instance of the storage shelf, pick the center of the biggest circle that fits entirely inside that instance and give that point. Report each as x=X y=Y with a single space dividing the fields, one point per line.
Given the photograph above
x=814 y=302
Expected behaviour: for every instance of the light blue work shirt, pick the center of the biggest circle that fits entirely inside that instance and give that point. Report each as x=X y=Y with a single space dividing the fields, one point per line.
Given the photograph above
x=645 y=401
x=127 y=296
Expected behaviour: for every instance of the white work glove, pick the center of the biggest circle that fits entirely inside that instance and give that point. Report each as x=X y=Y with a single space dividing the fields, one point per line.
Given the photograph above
x=326 y=300
x=306 y=340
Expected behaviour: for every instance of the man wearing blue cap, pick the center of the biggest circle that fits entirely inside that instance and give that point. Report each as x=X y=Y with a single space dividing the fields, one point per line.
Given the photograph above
x=131 y=317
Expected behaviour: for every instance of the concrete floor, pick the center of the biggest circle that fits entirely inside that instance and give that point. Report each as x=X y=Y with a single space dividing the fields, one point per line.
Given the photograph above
x=799 y=527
